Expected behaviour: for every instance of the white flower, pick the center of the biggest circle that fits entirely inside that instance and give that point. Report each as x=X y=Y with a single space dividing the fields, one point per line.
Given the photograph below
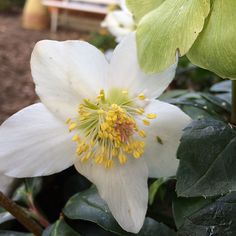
x=103 y=118
x=119 y=23
x=123 y=6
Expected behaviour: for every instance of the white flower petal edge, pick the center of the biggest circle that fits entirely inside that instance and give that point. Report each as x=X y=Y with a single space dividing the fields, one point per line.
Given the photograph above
x=125 y=71
x=5 y=183
x=119 y=23
x=163 y=138
x=66 y=72
x=124 y=188
x=123 y=6
x=34 y=143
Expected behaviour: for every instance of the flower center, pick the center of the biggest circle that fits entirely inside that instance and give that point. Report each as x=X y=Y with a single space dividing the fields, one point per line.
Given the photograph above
x=107 y=131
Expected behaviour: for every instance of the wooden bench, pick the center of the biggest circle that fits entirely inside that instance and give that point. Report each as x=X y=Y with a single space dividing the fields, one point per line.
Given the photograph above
x=91 y=6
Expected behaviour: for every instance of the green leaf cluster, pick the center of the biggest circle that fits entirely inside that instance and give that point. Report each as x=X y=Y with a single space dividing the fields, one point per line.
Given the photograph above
x=204 y=30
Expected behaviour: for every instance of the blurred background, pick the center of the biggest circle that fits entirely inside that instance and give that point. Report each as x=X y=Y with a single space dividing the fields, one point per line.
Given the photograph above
x=23 y=23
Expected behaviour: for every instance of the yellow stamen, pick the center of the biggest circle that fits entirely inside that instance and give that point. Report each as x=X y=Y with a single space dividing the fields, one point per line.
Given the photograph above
x=109 y=164
x=122 y=158
x=110 y=134
x=76 y=138
x=146 y=122
x=142 y=133
x=68 y=121
x=151 y=116
x=141 y=96
x=72 y=126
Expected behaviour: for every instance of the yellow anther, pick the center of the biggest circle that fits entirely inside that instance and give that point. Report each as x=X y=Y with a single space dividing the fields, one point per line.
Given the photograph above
x=104 y=126
x=76 y=138
x=141 y=96
x=72 y=126
x=68 y=121
x=122 y=158
x=114 y=152
x=99 y=159
x=146 y=122
x=136 y=154
x=109 y=130
x=151 y=116
x=142 y=133
x=140 y=111
x=109 y=164
x=102 y=95
x=142 y=144
x=86 y=157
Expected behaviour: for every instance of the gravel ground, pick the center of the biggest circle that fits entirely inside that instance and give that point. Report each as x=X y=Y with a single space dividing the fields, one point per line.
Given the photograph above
x=16 y=44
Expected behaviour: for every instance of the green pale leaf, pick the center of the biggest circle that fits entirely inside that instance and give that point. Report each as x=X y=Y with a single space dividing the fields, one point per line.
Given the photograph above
x=207 y=159
x=60 y=228
x=175 y=24
x=215 y=219
x=215 y=48
x=153 y=189
x=89 y=206
x=185 y=207
x=139 y=8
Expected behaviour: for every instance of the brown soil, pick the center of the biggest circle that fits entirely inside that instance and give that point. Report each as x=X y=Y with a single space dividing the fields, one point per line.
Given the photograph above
x=16 y=44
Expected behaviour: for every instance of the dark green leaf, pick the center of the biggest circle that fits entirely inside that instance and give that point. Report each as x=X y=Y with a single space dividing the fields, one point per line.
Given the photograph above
x=224 y=86
x=185 y=207
x=153 y=228
x=153 y=189
x=60 y=228
x=173 y=94
x=89 y=206
x=215 y=219
x=207 y=159
x=28 y=190
x=217 y=101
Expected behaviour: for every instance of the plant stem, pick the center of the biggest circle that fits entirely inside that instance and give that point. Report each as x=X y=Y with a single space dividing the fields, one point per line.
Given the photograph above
x=20 y=215
x=36 y=213
x=233 y=113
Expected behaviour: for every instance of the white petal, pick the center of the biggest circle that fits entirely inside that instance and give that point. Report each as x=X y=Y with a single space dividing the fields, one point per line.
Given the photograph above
x=126 y=73
x=119 y=23
x=66 y=72
x=161 y=158
x=124 y=188
x=123 y=6
x=5 y=183
x=33 y=142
